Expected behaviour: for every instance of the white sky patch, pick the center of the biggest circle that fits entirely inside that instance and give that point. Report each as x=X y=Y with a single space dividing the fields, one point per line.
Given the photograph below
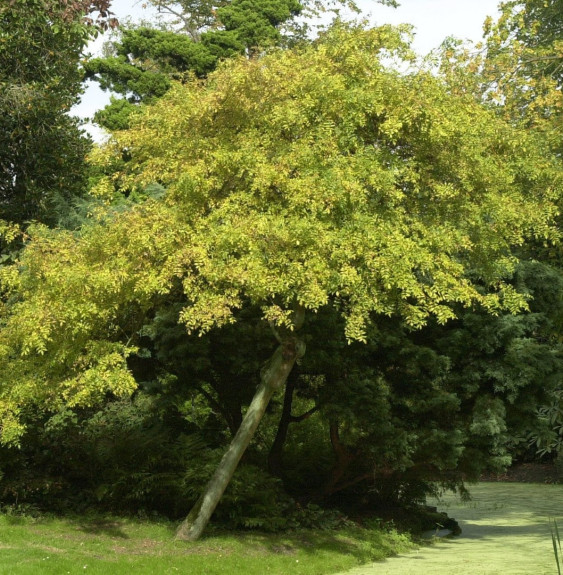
x=434 y=21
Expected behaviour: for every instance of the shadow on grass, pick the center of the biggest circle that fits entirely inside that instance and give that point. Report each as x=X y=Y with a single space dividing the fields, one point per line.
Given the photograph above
x=480 y=531
x=15 y=520
x=117 y=527
x=365 y=545
x=107 y=527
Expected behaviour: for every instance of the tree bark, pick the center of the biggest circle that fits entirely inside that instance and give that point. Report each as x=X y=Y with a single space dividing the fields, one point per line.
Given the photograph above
x=273 y=377
x=275 y=455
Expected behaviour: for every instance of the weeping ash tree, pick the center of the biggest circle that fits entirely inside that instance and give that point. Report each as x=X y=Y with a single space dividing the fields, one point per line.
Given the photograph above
x=297 y=181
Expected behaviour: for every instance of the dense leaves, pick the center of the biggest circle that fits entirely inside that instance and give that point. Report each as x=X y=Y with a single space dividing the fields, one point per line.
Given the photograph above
x=42 y=149
x=330 y=177
x=519 y=69
x=313 y=176
x=311 y=182
x=144 y=60
x=525 y=60
x=537 y=26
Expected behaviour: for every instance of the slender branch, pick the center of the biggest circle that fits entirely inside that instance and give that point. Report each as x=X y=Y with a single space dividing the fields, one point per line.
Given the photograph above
x=276 y=450
x=303 y=416
x=337 y=446
x=543 y=59
x=343 y=457
x=275 y=332
x=186 y=20
x=218 y=407
x=359 y=479
x=298 y=316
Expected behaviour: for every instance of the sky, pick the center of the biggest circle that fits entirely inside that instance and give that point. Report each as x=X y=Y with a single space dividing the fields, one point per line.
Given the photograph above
x=434 y=20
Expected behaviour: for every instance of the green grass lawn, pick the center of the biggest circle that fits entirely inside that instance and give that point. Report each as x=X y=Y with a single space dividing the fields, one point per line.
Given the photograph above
x=120 y=546
x=505 y=531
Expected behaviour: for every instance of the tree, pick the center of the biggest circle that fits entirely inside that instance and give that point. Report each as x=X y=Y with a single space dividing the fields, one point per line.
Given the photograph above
x=520 y=68
x=146 y=60
x=534 y=28
x=519 y=74
x=410 y=412
x=303 y=180
x=143 y=62
x=526 y=46
x=42 y=149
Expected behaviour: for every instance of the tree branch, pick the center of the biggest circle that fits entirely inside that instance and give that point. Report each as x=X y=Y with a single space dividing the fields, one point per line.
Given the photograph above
x=303 y=416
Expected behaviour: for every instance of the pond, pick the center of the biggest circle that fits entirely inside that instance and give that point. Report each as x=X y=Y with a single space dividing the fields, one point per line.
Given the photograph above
x=505 y=530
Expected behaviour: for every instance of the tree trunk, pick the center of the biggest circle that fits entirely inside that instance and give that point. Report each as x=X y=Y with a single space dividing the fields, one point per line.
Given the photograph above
x=275 y=455
x=273 y=377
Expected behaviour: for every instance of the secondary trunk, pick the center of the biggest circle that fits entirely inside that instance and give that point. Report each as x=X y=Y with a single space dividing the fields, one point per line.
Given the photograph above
x=273 y=377
x=275 y=457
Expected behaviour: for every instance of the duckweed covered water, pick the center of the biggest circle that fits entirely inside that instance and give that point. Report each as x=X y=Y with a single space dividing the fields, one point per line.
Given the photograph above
x=505 y=530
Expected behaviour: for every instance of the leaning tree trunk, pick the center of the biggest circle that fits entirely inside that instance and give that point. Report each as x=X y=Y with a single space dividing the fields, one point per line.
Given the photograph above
x=273 y=377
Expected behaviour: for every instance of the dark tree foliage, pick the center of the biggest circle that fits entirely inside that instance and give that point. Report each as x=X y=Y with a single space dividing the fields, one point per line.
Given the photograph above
x=146 y=60
x=42 y=149
x=524 y=73
x=382 y=423
x=413 y=410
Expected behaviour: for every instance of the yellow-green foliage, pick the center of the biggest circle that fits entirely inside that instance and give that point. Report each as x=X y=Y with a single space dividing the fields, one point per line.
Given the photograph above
x=313 y=176
x=71 y=311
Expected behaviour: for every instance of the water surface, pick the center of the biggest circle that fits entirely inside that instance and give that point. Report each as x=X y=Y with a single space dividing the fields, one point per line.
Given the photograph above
x=505 y=530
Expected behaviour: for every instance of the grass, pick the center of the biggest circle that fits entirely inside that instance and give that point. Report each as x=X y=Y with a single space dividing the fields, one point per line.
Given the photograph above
x=506 y=530
x=122 y=546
